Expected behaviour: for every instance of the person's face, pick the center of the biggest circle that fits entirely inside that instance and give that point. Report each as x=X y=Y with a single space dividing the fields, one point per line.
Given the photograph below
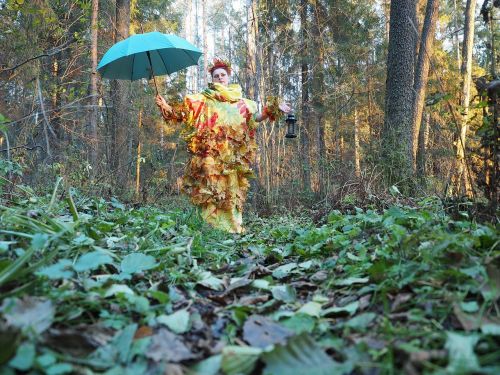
x=220 y=75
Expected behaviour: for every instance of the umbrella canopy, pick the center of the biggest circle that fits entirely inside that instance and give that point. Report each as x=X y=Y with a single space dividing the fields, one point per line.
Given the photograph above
x=147 y=55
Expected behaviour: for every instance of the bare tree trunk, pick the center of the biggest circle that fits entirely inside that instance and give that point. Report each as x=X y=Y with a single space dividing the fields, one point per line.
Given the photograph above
x=306 y=163
x=197 y=42
x=397 y=137
x=205 y=43
x=120 y=94
x=423 y=141
x=138 y=161
x=318 y=88
x=461 y=179
x=357 y=166
x=455 y=37
x=94 y=112
x=252 y=27
x=422 y=70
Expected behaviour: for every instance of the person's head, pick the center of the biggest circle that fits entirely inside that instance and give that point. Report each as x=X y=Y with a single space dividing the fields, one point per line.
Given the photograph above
x=220 y=70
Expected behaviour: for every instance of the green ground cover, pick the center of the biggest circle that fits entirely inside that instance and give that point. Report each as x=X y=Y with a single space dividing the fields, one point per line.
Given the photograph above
x=107 y=288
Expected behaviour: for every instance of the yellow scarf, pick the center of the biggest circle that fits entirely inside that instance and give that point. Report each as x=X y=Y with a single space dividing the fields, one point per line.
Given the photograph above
x=231 y=93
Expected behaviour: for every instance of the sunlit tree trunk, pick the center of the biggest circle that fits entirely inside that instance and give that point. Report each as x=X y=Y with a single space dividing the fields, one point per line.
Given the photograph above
x=455 y=35
x=205 y=43
x=423 y=141
x=120 y=94
x=305 y=140
x=252 y=30
x=422 y=70
x=461 y=179
x=357 y=165
x=260 y=165
x=397 y=136
x=139 y=158
x=318 y=89
x=94 y=112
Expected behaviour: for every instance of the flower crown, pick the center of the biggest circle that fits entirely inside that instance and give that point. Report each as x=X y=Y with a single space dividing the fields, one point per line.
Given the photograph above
x=219 y=63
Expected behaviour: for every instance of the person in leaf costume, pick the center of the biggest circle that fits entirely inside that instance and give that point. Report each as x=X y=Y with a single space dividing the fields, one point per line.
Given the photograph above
x=219 y=128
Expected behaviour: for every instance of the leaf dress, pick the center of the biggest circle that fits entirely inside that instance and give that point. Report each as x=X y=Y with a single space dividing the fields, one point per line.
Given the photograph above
x=219 y=128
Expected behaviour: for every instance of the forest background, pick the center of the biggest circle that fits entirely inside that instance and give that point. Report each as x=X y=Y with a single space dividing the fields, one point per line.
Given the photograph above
x=407 y=111
x=389 y=261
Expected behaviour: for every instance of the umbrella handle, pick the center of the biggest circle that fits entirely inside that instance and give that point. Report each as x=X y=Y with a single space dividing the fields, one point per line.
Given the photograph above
x=152 y=71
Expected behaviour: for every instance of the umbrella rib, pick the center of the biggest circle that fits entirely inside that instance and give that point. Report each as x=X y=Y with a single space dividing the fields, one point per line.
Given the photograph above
x=191 y=57
x=164 y=64
x=133 y=64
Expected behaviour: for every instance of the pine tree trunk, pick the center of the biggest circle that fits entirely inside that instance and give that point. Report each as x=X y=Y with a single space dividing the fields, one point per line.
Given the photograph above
x=397 y=137
x=260 y=165
x=120 y=94
x=252 y=30
x=455 y=35
x=357 y=165
x=461 y=179
x=94 y=112
x=423 y=141
x=138 y=160
x=318 y=88
x=422 y=70
x=205 y=43
x=304 y=136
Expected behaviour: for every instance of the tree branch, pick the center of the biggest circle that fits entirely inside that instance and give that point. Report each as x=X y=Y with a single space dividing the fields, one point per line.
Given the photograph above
x=51 y=52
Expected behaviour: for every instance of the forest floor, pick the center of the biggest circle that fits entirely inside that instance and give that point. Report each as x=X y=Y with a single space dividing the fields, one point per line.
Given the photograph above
x=108 y=288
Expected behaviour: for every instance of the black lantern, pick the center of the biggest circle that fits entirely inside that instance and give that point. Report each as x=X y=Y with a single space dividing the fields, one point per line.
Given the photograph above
x=290 y=126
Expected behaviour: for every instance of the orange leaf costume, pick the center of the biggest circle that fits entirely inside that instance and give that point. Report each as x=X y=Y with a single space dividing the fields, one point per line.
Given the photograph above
x=220 y=134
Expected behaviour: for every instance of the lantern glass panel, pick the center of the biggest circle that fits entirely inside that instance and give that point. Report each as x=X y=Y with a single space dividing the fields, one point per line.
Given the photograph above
x=290 y=122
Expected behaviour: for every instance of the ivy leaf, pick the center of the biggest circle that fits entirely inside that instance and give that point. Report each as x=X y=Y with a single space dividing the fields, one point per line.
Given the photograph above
x=351 y=281
x=210 y=281
x=57 y=271
x=285 y=293
x=462 y=358
x=39 y=240
x=118 y=288
x=29 y=313
x=491 y=329
x=239 y=360
x=310 y=308
x=92 y=261
x=137 y=262
x=361 y=321
x=209 y=366
x=25 y=357
x=283 y=271
x=350 y=309
x=178 y=322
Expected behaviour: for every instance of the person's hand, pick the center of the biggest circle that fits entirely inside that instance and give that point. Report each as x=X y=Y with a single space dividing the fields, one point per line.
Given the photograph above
x=162 y=103
x=285 y=107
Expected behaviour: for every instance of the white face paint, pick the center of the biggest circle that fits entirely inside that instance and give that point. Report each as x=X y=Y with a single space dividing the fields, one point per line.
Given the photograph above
x=220 y=75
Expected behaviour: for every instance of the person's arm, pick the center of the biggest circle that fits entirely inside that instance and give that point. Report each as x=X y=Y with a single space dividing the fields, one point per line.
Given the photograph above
x=272 y=114
x=177 y=112
x=166 y=110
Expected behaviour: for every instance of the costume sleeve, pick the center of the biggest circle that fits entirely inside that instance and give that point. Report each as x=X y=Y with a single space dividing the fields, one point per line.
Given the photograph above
x=272 y=108
x=186 y=112
x=193 y=105
x=252 y=109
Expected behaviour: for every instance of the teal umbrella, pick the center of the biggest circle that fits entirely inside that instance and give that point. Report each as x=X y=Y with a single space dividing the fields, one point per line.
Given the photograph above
x=147 y=55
